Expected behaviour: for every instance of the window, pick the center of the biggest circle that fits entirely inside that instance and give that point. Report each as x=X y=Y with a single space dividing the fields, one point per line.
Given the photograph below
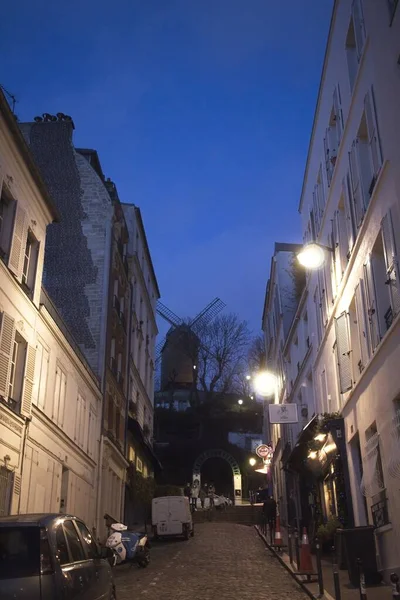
x=20 y=554
x=30 y=261
x=131 y=454
x=59 y=397
x=358 y=333
x=7 y=208
x=355 y=41
x=372 y=483
x=91 y=440
x=42 y=366
x=6 y=482
x=17 y=366
x=380 y=313
x=118 y=425
x=80 y=423
x=343 y=353
x=73 y=541
x=139 y=465
x=318 y=202
x=317 y=303
x=391 y=261
x=113 y=365
x=88 y=541
x=333 y=135
x=62 y=554
x=340 y=242
x=111 y=407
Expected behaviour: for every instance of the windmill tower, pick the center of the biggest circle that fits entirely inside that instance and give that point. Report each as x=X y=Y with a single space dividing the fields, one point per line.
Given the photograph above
x=179 y=351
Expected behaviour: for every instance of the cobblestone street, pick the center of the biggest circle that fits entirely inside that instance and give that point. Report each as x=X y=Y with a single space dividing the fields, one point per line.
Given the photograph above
x=223 y=561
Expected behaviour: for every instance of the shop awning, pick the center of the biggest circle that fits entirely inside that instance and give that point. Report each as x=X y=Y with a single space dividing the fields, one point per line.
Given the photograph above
x=136 y=430
x=296 y=459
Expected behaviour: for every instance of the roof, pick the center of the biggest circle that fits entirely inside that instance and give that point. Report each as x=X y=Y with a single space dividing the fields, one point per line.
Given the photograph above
x=94 y=160
x=335 y=5
x=23 y=148
x=284 y=247
x=33 y=518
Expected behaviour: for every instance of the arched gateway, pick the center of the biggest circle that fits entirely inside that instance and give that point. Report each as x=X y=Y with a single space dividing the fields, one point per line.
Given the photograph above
x=218 y=453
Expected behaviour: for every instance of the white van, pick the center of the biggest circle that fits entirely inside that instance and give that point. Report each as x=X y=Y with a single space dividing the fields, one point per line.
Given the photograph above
x=171 y=516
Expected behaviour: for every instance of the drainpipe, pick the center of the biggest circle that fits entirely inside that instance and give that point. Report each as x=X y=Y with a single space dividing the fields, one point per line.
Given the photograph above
x=26 y=431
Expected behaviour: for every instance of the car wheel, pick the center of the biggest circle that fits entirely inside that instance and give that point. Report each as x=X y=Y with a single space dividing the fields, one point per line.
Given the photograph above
x=145 y=560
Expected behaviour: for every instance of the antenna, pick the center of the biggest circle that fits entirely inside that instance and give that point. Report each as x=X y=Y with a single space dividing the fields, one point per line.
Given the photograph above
x=11 y=97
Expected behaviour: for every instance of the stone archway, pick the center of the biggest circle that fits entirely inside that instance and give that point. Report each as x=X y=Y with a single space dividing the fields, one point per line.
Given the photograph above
x=236 y=474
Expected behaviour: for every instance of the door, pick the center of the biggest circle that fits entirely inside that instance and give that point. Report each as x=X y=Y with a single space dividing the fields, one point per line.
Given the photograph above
x=161 y=515
x=102 y=575
x=177 y=514
x=77 y=570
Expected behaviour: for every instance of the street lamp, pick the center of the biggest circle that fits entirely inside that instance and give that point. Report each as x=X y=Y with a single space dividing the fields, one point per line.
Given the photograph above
x=265 y=383
x=248 y=377
x=312 y=256
x=252 y=461
x=240 y=402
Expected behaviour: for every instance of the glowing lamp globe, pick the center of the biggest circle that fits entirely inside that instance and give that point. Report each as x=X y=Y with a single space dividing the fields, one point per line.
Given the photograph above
x=265 y=383
x=252 y=462
x=312 y=256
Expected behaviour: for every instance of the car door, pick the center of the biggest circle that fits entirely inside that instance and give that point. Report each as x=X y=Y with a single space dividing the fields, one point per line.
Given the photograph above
x=102 y=574
x=77 y=576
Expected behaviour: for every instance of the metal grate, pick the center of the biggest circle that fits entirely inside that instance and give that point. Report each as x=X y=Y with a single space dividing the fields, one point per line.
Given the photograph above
x=380 y=513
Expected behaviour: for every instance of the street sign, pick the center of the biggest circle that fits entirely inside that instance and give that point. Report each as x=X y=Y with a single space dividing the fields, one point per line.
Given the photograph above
x=264 y=451
x=283 y=413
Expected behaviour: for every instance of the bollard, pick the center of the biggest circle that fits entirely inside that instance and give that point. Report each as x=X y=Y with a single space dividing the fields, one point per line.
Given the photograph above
x=394 y=580
x=336 y=583
x=363 y=591
x=296 y=547
x=290 y=545
x=319 y=568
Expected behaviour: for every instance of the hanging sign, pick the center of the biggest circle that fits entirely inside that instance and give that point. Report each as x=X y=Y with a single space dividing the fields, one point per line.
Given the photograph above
x=283 y=413
x=264 y=451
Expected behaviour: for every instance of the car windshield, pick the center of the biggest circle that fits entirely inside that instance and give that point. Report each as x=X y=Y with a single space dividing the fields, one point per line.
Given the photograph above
x=19 y=552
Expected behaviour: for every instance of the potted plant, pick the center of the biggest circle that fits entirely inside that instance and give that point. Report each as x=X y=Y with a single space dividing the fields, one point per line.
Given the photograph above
x=326 y=533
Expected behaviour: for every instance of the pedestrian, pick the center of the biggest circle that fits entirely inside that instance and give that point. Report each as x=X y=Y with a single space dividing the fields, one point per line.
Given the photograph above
x=195 y=494
x=272 y=513
x=266 y=511
x=211 y=494
x=203 y=495
x=187 y=491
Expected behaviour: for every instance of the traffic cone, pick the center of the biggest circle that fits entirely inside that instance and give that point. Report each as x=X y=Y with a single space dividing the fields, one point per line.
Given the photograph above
x=278 y=535
x=306 y=565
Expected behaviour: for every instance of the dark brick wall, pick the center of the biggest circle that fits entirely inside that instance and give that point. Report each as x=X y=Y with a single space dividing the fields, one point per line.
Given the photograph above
x=76 y=248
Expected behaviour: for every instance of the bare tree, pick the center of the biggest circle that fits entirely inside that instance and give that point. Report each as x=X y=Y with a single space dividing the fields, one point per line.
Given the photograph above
x=257 y=355
x=222 y=354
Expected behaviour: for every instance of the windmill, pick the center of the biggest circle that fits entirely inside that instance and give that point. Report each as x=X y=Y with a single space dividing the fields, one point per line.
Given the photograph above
x=179 y=350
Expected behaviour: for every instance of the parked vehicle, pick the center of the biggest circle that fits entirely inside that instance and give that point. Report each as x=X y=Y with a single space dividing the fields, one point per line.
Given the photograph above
x=47 y=556
x=128 y=546
x=171 y=516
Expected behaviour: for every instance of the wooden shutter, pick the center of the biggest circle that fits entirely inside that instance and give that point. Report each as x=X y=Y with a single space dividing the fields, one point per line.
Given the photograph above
x=312 y=225
x=348 y=209
x=359 y=29
x=7 y=335
x=61 y=406
x=343 y=353
x=43 y=378
x=391 y=260
x=328 y=163
x=371 y=304
x=362 y=325
x=316 y=212
x=26 y=403
x=373 y=133
x=333 y=263
x=18 y=242
x=356 y=185
x=323 y=296
x=338 y=115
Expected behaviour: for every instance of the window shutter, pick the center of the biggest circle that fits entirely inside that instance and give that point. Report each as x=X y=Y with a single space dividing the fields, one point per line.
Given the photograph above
x=312 y=224
x=343 y=353
x=322 y=296
x=18 y=242
x=350 y=230
x=316 y=212
x=43 y=378
x=26 y=403
x=7 y=334
x=371 y=304
x=327 y=158
x=362 y=326
x=392 y=265
x=356 y=187
x=61 y=407
x=338 y=115
x=359 y=29
x=373 y=133
x=335 y=246
x=122 y=429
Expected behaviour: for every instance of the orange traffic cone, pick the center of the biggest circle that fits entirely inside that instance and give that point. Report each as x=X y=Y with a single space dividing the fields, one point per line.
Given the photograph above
x=306 y=565
x=278 y=535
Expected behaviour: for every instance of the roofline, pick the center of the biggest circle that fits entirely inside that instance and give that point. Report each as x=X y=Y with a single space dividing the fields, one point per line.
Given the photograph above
x=27 y=156
x=324 y=65
x=146 y=245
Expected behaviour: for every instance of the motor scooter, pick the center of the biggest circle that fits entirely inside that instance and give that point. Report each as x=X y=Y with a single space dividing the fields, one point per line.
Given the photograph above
x=128 y=546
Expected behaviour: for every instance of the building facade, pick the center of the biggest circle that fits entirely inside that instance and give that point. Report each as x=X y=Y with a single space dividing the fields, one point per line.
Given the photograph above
x=350 y=203
x=89 y=272
x=50 y=400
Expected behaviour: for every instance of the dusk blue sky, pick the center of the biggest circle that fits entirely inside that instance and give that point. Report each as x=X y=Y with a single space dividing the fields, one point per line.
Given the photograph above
x=201 y=111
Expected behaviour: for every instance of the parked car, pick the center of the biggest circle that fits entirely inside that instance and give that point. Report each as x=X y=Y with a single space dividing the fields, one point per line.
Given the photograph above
x=49 y=556
x=171 y=516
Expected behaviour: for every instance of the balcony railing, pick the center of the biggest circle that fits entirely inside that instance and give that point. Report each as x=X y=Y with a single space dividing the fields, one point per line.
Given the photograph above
x=380 y=513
